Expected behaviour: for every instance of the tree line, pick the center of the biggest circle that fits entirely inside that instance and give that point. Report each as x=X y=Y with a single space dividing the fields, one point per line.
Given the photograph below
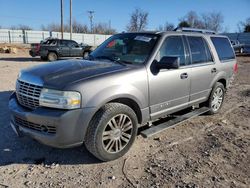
x=211 y=20
x=139 y=22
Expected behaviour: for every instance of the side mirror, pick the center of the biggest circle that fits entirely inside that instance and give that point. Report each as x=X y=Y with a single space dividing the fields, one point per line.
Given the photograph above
x=77 y=46
x=168 y=62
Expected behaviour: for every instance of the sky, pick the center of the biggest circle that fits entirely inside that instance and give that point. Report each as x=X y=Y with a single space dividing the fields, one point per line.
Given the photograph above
x=37 y=12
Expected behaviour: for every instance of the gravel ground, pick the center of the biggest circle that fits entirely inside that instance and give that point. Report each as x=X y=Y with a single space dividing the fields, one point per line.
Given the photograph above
x=207 y=151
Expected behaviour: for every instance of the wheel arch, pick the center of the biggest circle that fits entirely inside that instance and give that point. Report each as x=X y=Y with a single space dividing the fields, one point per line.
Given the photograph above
x=223 y=81
x=54 y=51
x=220 y=77
x=130 y=103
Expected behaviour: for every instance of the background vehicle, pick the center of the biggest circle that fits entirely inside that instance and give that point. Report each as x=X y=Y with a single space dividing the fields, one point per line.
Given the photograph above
x=238 y=47
x=35 y=47
x=52 y=49
x=130 y=80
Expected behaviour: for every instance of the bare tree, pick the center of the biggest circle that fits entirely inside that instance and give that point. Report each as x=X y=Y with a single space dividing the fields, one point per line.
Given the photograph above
x=193 y=20
x=213 y=21
x=79 y=28
x=138 y=21
x=166 y=27
x=244 y=26
x=183 y=24
x=52 y=27
x=20 y=27
x=103 y=28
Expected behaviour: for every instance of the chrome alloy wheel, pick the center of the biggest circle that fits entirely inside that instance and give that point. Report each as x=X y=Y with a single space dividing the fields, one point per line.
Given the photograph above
x=217 y=99
x=117 y=133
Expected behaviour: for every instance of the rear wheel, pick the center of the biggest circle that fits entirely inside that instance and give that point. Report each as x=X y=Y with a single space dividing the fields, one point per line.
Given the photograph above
x=216 y=98
x=111 y=132
x=241 y=50
x=52 y=56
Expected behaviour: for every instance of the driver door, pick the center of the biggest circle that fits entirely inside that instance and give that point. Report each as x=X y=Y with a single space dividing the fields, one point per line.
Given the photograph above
x=75 y=49
x=169 y=89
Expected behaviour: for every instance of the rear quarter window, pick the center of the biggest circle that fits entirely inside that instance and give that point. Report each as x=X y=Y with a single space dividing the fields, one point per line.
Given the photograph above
x=223 y=48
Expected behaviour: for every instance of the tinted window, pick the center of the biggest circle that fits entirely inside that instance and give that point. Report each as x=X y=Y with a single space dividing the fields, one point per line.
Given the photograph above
x=64 y=42
x=72 y=43
x=223 y=48
x=173 y=46
x=200 y=52
x=51 y=42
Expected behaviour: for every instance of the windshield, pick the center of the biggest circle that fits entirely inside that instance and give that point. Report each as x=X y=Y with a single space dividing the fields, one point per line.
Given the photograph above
x=133 y=48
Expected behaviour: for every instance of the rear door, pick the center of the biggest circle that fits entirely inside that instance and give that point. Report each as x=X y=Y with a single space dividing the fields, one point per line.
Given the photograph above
x=226 y=56
x=169 y=88
x=64 y=48
x=203 y=68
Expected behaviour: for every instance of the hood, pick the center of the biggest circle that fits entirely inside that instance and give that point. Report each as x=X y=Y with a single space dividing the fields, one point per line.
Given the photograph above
x=59 y=74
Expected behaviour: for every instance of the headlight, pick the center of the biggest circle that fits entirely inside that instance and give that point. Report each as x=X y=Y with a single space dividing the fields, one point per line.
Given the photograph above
x=60 y=99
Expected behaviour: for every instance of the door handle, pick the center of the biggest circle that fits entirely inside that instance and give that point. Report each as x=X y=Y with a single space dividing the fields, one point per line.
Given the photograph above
x=184 y=75
x=213 y=70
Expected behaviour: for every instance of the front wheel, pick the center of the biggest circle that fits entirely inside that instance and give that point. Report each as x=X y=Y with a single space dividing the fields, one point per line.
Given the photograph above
x=111 y=132
x=85 y=54
x=216 y=98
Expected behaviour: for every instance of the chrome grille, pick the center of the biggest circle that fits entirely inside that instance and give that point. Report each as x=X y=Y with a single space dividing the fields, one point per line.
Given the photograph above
x=28 y=94
x=34 y=126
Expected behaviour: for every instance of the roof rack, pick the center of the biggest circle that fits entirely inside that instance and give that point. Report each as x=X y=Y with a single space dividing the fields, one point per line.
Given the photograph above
x=189 y=29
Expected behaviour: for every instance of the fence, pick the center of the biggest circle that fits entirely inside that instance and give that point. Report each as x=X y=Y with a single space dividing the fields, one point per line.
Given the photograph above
x=243 y=38
x=26 y=37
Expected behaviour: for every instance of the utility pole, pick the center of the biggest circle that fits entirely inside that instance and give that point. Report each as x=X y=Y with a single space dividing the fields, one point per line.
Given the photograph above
x=70 y=19
x=91 y=12
x=62 y=18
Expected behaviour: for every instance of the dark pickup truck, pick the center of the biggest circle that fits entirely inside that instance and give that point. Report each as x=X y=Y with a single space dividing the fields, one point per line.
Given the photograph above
x=52 y=49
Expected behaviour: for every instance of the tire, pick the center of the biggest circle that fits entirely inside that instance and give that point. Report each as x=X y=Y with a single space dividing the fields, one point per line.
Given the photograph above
x=215 y=104
x=107 y=143
x=241 y=50
x=52 y=56
x=85 y=54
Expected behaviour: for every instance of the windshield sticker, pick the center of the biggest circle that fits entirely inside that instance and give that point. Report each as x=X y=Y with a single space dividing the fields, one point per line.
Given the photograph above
x=142 y=38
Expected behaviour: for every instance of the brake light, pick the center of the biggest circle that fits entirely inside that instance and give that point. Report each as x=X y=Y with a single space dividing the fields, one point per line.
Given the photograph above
x=235 y=68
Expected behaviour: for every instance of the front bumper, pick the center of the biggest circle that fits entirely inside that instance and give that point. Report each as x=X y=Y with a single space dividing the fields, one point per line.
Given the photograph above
x=69 y=126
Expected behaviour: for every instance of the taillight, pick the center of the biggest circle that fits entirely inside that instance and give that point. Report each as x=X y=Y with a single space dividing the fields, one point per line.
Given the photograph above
x=37 y=47
x=235 y=68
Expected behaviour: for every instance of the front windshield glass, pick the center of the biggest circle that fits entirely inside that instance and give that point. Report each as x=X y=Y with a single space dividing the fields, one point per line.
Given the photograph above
x=133 y=48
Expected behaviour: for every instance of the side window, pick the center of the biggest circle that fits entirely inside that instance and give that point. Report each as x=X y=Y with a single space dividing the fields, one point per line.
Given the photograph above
x=173 y=46
x=199 y=50
x=223 y=48
x=51 y=42
x=64 y=43
x=72 y=43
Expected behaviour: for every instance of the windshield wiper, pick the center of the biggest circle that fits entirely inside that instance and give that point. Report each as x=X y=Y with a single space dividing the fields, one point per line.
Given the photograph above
x=104 y=57
x=114 y=59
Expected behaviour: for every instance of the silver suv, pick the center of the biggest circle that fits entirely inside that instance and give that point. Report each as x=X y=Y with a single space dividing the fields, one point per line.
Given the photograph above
x=130 y=80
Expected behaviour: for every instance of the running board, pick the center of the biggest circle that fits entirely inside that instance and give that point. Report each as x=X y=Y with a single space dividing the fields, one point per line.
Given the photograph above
x=172 y=123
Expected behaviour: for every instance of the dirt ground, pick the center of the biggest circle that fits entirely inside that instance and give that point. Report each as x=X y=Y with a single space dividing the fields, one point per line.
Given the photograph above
x=207 y=151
